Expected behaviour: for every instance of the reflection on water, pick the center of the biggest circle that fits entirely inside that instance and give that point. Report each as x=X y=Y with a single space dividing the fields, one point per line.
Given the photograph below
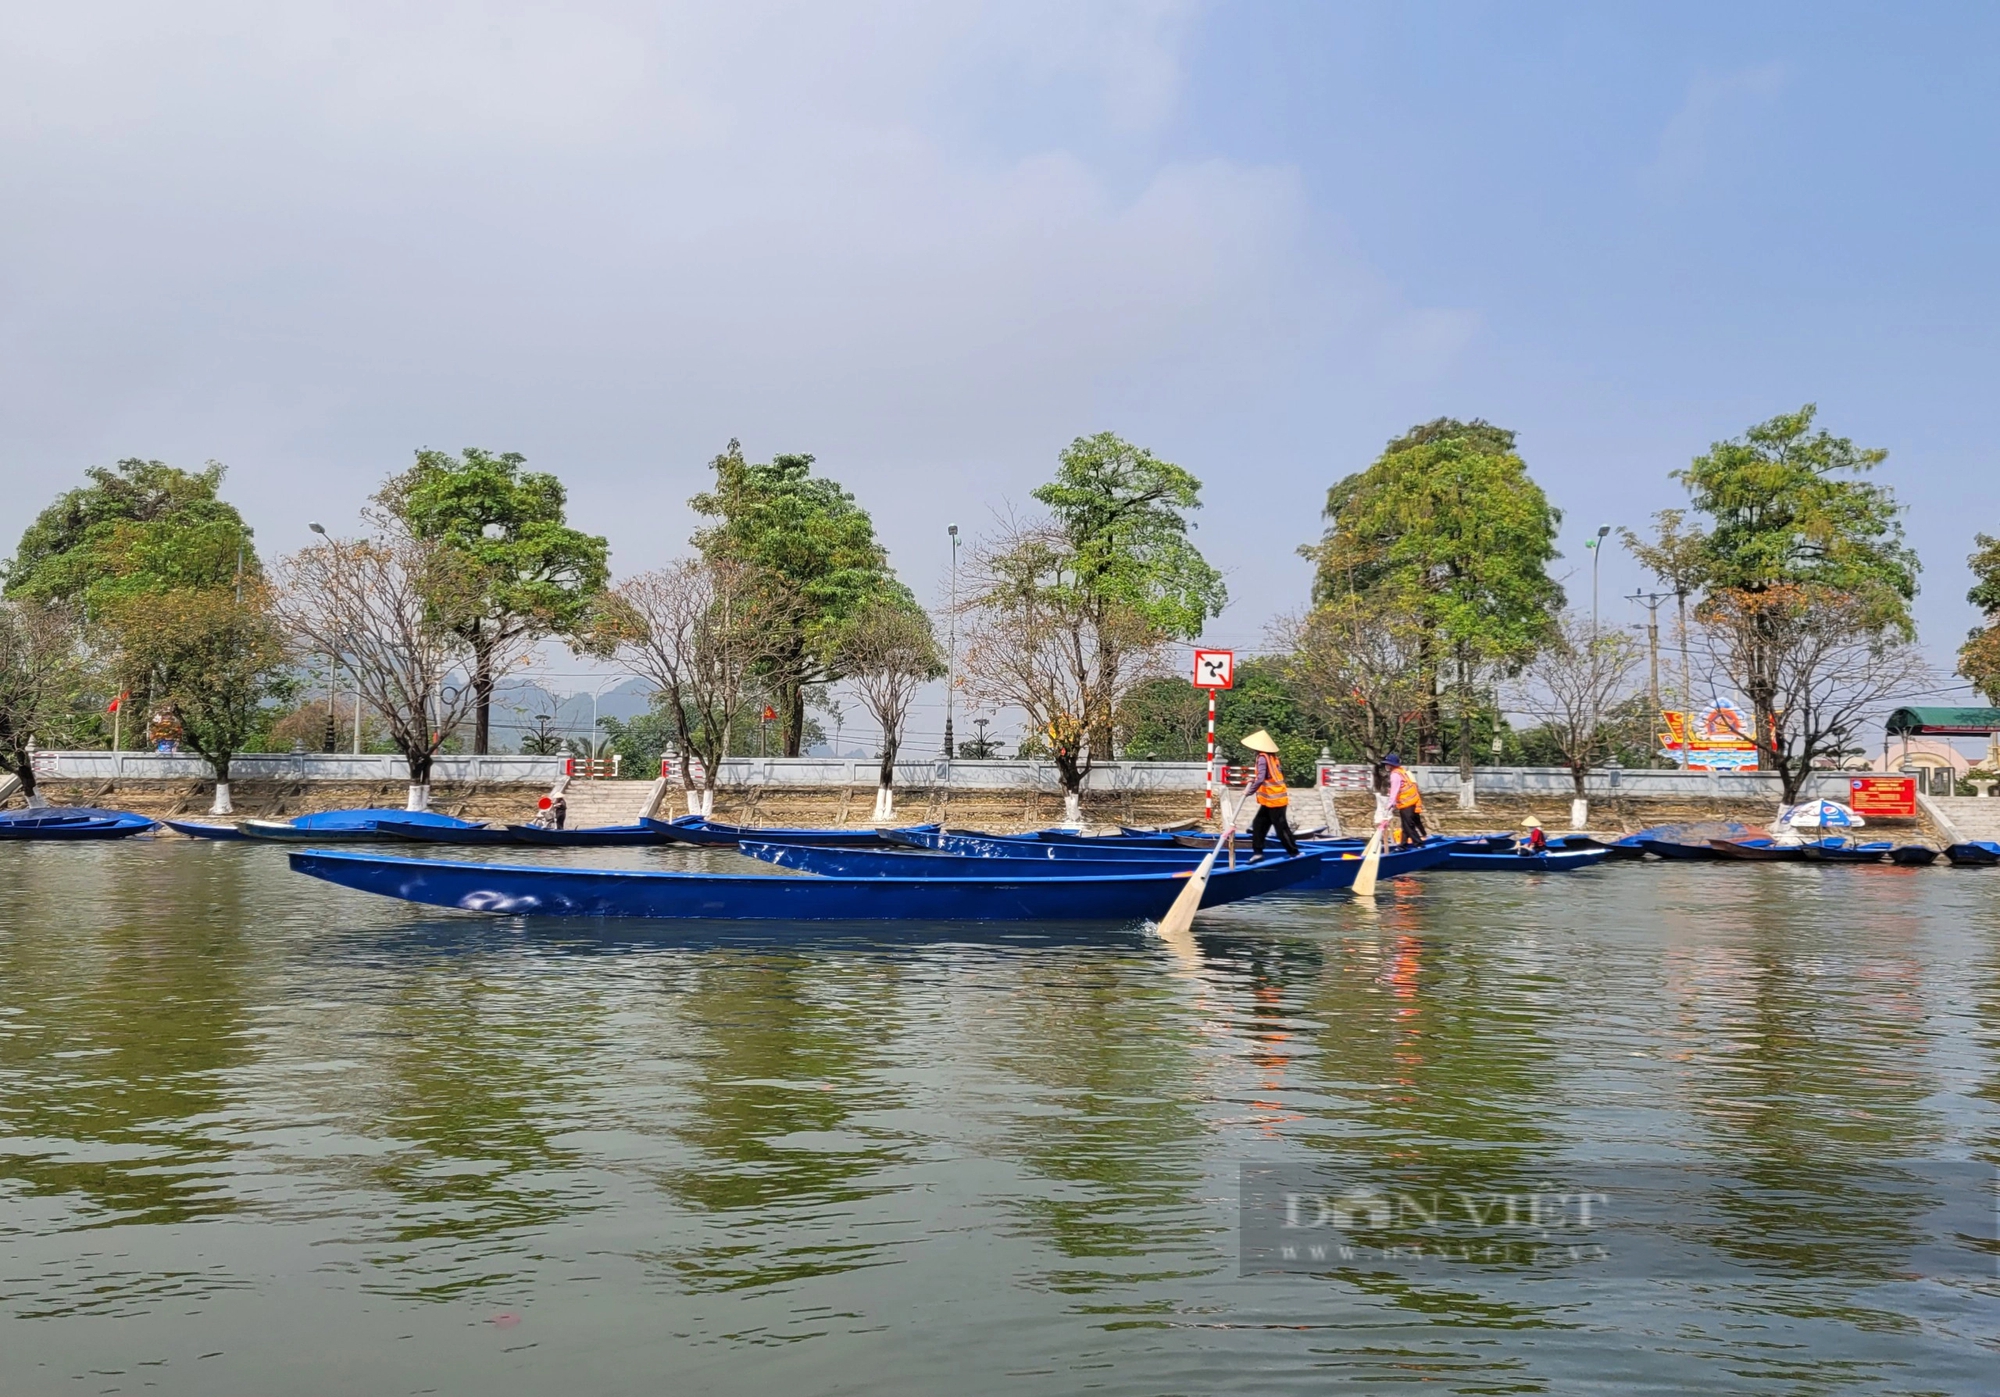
x=293 y=1138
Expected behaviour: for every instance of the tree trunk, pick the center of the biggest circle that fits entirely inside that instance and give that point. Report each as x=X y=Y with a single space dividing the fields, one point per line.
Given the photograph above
x=482 y=688
x=795 y=719
x=222 y=804
x=23 y=766
x=420 y=780
x=1579 y=775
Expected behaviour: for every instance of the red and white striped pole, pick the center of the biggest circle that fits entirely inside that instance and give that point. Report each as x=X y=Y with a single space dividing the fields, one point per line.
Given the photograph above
x=1208 y=808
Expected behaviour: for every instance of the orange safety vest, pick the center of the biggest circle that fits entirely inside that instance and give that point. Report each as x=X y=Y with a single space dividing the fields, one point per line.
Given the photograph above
x=1408 y=796
x=1271 y=791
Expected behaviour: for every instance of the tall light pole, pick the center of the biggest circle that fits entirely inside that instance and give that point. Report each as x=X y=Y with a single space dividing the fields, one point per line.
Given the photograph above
x=951 y=649
x=1596 y=547
x=332 y=740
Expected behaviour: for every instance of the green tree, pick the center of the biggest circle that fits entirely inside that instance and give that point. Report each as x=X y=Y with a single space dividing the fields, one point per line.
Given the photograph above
x=1806 y=581
x=1979 y=657
x=137 y=527
x=889 y=650
x=216 y=657
x=1447 y=522
x=527 y=574
x=803 y=536
x=44 y=675
x=1069 y=614
x=1124 y=514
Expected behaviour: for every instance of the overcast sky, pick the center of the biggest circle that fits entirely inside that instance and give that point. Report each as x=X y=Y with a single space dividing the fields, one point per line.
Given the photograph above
x=931 y=243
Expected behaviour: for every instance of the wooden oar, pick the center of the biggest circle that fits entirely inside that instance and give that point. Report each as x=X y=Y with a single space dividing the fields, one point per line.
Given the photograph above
x=1371 y=861
x=1180 y=916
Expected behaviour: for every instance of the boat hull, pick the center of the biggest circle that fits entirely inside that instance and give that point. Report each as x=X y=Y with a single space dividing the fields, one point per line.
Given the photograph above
x=1975 y=854
x=688 y=830
x=75 y=829
x=589 y=837
x=198 y=829
x=1846 y=853
x=513 y=889
x=1752 y=851
x=1554 y=861
x=1334 y=872
x=445 y=834
x=1913 y=855
x=1675 y=851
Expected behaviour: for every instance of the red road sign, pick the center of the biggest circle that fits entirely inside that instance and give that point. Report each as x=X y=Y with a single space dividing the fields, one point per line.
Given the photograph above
x=1214 y=669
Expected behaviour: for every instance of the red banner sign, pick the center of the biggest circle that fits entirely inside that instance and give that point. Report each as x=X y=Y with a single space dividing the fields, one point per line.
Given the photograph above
x=1883 y=795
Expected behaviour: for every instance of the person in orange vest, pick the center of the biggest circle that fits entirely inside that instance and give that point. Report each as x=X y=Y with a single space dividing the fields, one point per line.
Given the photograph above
x=1267 y=783
x=1406 y=801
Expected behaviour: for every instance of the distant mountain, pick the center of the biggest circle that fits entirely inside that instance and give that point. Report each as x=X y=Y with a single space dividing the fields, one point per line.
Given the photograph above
x=519 y=703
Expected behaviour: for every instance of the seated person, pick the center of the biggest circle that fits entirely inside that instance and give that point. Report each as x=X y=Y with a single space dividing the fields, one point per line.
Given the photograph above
x=1534 y=841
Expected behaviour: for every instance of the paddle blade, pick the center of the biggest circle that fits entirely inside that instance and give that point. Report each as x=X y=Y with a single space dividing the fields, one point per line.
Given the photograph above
x=1180 y=916
x=1371 y=862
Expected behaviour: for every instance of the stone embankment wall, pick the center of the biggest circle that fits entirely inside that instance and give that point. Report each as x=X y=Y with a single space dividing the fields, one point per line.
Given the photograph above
x=283 y=799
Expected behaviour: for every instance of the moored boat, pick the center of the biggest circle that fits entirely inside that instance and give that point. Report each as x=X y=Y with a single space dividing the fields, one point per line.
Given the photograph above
x=1836 y=851
x=1335 y=871
x=201 y=829
x=692 y=829
x=345 y=826
x=69 y=822
x=1674 y=850
x=592 y=836
x=584 y=892
x=1757 y=850
x=1975 y=853
x=1550 y=861
x=1913 y=855
x=446 y=834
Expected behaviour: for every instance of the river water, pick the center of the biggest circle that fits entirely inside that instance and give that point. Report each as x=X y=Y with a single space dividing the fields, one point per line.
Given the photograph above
x=261 y=1135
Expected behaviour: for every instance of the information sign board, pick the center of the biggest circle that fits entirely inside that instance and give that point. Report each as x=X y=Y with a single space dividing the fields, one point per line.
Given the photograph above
x=1883 y=795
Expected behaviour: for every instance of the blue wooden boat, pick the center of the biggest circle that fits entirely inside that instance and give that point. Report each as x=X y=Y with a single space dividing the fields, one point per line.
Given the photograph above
x=201 y=829
x=1337 y=869
x=1551 y=861
x=446 y=834
x=889 y=862
x=1974 y=853
x=345 y=826
x=70 y=822
x=1675 y=850
x=592 y=836
x=1758 y=850
x=1913 y=855
x=516 y=889
x=692 y=829
x=1840 y=851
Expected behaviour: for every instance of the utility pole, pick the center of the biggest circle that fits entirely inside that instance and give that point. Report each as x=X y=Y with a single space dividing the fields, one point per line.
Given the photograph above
x=1651 y=601
x=951 y=649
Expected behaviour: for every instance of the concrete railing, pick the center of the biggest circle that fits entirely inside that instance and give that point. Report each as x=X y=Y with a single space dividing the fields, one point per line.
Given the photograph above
x=289 y=766
x=739 y=773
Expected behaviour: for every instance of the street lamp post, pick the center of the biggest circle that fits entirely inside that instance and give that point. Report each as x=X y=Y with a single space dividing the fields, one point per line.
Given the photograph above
x=332 y=739
x=1596 y=547
x=951 y=649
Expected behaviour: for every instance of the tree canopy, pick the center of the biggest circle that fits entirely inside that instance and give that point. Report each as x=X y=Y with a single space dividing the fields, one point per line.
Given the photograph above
x=1448 y=522
x=1124 y=512
x=1979 y=657
x=527 y=573
x=137 y=527
x=1787 y=507
x=804 y=535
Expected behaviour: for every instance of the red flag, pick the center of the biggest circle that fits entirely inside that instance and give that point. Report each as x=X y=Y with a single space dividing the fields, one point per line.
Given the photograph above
x=115 y=703
x=770 y=714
